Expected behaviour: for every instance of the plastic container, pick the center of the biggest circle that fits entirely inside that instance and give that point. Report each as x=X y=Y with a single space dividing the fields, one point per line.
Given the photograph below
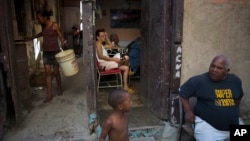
x=67 y=62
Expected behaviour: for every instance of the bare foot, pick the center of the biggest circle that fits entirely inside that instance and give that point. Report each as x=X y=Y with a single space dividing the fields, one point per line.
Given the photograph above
x=47 y=100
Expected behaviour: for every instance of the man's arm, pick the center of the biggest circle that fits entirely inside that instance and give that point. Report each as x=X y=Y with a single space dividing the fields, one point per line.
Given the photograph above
x=37 y=35
x=33 y=37
x=189 y=115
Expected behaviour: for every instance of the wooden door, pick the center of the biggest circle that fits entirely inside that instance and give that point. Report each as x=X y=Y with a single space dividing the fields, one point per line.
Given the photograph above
x=161 y=30
x=9 y=60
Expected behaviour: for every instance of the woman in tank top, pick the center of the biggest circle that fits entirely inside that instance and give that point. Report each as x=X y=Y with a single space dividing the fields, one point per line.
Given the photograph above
x=50 y=33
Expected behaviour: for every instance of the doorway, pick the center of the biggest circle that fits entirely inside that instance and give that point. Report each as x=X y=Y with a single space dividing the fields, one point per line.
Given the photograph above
x=117 y=17
x=161 y=32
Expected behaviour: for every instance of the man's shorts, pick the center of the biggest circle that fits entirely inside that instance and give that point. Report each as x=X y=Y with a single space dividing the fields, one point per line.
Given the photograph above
x=49 y=58
x=205 y=132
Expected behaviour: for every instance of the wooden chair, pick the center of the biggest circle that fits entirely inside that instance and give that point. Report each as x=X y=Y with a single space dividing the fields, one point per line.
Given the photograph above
x=108 y=83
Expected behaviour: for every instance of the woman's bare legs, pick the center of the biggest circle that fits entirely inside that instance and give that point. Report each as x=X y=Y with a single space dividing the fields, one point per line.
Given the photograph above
x=125 y=69
x=126 y=62
x=58 y=80
x=48 y=73
x=124 y=66
x=49 y=77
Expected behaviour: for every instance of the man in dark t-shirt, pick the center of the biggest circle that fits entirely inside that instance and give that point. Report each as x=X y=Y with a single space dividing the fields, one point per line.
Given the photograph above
x=218 y=96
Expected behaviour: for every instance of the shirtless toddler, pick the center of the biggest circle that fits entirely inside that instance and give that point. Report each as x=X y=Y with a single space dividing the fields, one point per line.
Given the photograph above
x=116 y=125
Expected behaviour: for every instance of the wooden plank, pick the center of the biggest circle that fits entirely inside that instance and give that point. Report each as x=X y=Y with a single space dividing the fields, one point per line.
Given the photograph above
x=9 y=56
x=23 y=84
x=178 y=10
x=176 y=49
x=144 y=73
x=155 y=55
x=90 y=78
x=71 y=3
x=176 y=61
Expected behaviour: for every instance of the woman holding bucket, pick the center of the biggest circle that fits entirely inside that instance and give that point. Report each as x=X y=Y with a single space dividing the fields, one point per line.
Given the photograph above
x=50 y=33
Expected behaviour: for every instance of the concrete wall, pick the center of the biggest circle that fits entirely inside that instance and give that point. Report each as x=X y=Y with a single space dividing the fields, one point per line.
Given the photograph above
x=32 y=28
x=213 y=27
x=72 y=18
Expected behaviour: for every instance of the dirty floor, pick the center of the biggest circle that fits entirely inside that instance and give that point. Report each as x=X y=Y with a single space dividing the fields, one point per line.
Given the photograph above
x=65 y=117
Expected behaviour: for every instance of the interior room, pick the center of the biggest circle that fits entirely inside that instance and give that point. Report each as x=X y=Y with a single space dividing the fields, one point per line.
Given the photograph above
x=122 y=17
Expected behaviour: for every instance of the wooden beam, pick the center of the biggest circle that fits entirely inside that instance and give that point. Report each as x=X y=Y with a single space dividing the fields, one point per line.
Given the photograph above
x=71 y=3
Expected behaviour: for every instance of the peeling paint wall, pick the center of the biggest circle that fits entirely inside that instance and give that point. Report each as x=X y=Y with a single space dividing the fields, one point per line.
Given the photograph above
x=213 y=27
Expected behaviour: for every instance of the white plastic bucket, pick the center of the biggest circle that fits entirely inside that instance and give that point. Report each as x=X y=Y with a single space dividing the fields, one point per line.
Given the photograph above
x=67 y=62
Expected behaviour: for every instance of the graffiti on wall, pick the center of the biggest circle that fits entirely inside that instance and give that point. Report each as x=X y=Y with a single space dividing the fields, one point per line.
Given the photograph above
x=178 y=62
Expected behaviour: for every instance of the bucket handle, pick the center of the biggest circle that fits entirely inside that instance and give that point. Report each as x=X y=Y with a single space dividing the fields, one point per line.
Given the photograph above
x=64 y=44
x=61 y=49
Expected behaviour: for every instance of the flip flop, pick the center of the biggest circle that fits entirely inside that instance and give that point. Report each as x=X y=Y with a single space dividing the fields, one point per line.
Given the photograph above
x=130 y=91
x=130 y=73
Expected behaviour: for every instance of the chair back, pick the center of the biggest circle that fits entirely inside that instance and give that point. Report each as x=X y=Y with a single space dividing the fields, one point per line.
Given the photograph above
x=109 y=83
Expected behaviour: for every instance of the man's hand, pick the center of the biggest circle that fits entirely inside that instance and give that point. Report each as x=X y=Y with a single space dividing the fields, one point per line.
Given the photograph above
x=189 y=116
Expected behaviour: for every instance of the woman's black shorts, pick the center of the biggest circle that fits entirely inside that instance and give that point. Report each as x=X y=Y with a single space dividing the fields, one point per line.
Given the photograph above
x=49 y=58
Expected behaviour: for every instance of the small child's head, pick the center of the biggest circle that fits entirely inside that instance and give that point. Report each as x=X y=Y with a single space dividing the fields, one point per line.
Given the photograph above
x=120 y=99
